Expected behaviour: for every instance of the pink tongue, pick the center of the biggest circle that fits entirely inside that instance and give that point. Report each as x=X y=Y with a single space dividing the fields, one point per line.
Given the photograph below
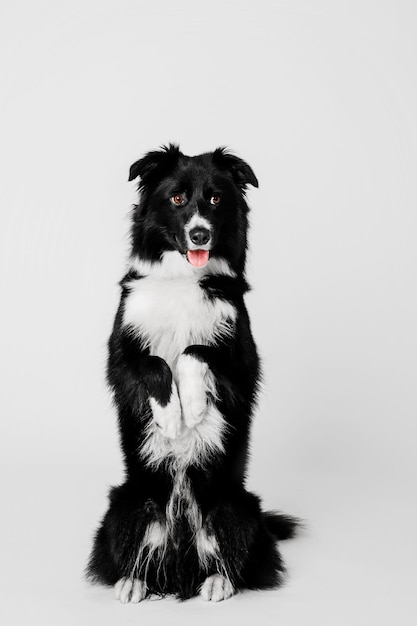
x=198 y=258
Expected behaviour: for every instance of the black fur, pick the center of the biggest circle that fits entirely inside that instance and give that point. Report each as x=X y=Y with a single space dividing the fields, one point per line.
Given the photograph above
x=245 y=535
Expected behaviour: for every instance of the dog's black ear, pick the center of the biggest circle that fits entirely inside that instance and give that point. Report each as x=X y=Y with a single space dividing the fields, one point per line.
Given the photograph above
x=155 y=164
x=241 y=171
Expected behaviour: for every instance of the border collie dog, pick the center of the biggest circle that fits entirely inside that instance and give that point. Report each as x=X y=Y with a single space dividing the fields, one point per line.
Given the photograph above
x=184 y=373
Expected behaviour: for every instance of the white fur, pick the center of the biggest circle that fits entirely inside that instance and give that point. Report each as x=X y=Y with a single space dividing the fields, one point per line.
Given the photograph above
x=203 y=425
x=154 y=540
x=216 y=588
x=195 y=383
x=171 y=312
x=191 y=446
x=155 y=535
x=168 y=418
x=207 y=547
x=197 y=221
x=130 y=590
x=183 y=502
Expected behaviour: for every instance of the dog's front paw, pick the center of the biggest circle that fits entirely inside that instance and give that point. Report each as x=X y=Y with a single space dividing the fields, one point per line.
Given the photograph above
x=168 y=417
x=130 y=590
x=195 y=382
x=194 y=407
x=216 y=588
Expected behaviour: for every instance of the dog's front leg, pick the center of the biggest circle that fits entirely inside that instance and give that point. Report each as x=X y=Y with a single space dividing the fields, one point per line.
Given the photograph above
x=163 y=395
x=196 y=384
x=140 y=381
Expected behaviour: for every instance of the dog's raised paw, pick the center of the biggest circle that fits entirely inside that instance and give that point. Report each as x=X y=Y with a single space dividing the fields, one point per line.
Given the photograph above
x=130 y=590
x=194 y=408
x=168 y=417
x=216 y=588
x=194 y=384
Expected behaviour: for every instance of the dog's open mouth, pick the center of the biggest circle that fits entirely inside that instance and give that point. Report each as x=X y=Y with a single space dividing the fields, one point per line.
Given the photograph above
x=198 y=258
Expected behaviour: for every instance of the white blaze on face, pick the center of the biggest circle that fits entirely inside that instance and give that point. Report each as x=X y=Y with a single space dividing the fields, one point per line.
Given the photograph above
x=197 y=254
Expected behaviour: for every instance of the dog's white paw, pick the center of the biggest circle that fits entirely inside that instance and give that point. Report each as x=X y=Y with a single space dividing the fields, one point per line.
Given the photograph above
x=168 y=418
x=130 y=590
x=194 y=407
x=195 y=381
x=216 y=588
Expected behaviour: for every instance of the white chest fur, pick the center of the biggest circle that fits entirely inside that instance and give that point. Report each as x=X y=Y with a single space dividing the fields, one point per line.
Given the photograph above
x=172 y=312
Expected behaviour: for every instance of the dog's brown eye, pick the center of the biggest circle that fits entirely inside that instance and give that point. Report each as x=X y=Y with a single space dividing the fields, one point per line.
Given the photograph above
x=178 y=199
x=215 y=200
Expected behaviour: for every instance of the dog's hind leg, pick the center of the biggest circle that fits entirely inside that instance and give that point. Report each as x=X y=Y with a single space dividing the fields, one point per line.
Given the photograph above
x=129 y=545
x=134 y=588
x=246 y=552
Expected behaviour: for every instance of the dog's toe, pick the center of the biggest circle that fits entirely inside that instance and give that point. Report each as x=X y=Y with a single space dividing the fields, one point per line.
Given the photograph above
x=118 y=587
x=123 y=589
x=216 y=588
x=128 y=590
x=139 y=590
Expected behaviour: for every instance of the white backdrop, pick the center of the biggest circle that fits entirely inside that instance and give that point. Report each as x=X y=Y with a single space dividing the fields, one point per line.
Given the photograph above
x=320 y=98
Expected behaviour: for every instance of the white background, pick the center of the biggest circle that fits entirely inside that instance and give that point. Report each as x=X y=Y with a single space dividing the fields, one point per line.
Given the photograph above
x=320 y=97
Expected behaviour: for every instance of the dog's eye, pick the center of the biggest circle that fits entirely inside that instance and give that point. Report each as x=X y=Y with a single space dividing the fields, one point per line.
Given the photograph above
x=178 y=199
x=215 y=200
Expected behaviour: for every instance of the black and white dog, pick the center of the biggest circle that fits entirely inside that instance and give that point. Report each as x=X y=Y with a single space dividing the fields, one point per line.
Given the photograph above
x=184 y=371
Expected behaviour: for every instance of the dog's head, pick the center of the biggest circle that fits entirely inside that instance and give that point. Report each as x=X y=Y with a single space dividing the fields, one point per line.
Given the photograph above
x=194 y=205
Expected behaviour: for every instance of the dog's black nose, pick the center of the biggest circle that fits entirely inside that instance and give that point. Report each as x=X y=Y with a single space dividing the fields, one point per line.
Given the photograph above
x=199 y=236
